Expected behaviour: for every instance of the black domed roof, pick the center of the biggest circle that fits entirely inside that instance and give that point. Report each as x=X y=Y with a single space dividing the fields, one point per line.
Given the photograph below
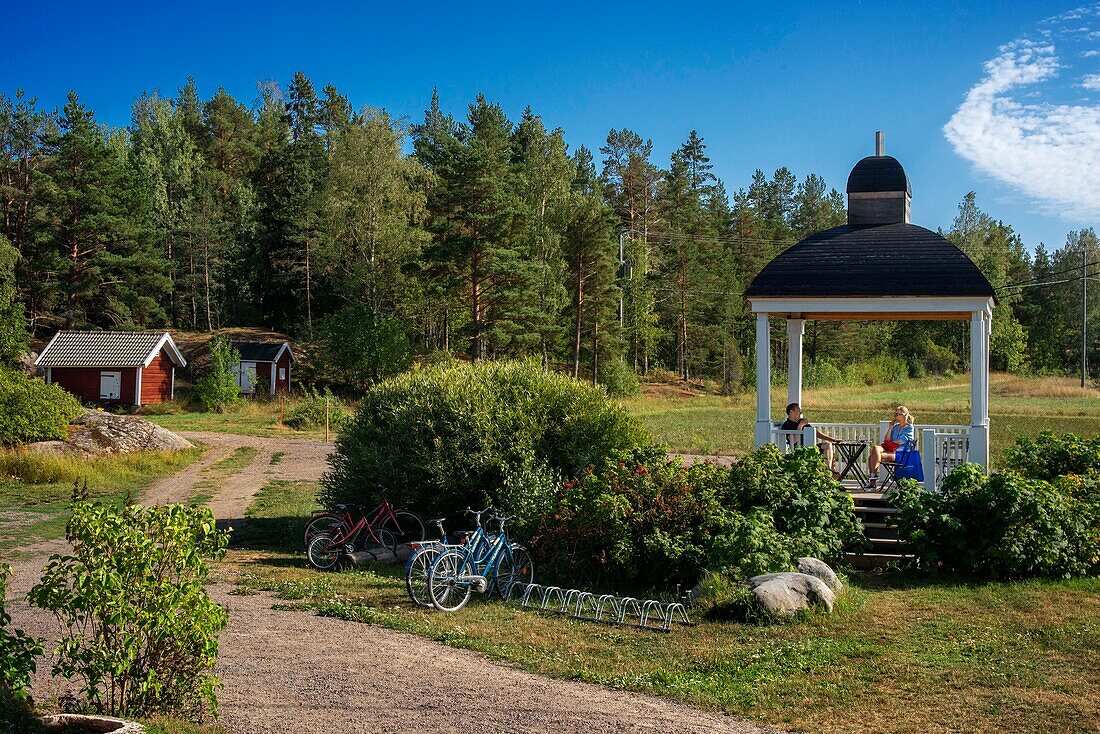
x=871 y=260
x=877 y=173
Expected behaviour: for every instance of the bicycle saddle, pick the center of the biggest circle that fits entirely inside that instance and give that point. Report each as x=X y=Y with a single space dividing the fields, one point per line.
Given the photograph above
x=435 y=521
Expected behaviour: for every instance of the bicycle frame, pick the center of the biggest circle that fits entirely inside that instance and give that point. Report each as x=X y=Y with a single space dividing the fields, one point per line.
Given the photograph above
x=480 y=557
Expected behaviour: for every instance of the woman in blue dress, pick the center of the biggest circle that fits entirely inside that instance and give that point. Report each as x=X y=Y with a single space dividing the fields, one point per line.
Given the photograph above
x=900 y=435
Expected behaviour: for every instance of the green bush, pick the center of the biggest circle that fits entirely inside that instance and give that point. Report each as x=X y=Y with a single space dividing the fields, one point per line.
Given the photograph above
x=619 y=380
x=139 y=630
x=309 y=410
x=31 y=410
x=217 y=390
x=447 y=437
x=1050 y=455
x=1003 y=526
x=18 y=651
x=644 y=521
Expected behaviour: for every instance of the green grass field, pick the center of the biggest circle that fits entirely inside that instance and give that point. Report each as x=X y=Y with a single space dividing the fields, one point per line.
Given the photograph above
x=899 y=654
x=248 y=417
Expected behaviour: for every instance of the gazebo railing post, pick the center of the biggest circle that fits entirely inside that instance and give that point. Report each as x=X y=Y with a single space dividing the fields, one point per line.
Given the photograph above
x=928 y=457
x=763 y=381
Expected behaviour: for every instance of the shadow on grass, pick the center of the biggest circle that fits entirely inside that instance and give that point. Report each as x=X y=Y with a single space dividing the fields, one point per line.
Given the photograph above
x=273 y=534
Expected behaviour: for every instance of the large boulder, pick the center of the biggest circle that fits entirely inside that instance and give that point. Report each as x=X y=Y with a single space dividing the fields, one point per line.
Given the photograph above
x=97 y=432
x=786 y=594
x=815 y=567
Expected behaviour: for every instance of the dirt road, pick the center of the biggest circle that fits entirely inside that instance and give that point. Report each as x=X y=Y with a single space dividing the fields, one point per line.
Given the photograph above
x=290 y=672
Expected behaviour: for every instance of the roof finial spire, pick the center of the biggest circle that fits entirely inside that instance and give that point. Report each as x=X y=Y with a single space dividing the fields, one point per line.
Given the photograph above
x=880 y=143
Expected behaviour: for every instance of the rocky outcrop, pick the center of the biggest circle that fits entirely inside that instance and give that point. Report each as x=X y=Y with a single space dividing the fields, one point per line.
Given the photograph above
x=785 y=594
x=97 y=432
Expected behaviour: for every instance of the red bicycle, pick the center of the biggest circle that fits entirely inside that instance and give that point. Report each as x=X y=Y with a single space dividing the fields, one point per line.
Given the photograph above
x=330 y=534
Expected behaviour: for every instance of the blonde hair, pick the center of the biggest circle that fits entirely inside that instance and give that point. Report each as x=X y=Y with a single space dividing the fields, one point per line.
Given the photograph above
x=905 y=411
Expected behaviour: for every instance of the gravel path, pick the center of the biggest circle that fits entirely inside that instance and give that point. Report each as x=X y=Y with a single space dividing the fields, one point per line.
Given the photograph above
x=295 y=672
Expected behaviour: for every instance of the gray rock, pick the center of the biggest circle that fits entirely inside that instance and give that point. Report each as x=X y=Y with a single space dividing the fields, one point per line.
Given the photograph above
x=97 y=432
x=788 y=593
x=815 y=567
x=53 y=447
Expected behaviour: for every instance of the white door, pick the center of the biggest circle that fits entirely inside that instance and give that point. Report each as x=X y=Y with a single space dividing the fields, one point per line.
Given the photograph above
x=246 y=377
x=110 y=385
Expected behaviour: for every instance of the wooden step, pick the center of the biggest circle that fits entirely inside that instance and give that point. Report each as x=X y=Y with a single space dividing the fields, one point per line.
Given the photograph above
x=880 y=530
x=876 y=510
x=870 y=561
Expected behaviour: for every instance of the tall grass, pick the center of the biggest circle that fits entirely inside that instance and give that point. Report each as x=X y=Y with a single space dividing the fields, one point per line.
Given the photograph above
x=36 y=468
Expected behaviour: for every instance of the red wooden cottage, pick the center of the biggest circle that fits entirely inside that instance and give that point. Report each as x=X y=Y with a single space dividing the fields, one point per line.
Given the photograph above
x=128 y=367
x=265 y=364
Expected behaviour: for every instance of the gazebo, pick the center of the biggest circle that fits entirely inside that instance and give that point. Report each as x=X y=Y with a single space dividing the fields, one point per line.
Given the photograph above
x=878 y=266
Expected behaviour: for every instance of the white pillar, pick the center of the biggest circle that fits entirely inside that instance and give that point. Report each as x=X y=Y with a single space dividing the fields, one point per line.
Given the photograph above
x=979 y=388
x=763 y=381
x=795 y=329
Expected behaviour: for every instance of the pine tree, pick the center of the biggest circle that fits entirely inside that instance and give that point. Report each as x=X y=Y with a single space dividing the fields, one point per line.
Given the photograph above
x=630 y=184
x=23 y=194
x=543 y=174
x=99 y=224
x=13 y=323
x=169 y=164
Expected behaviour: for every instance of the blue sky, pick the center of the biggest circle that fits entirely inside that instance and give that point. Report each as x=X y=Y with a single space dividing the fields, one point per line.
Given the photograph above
x=803 y=85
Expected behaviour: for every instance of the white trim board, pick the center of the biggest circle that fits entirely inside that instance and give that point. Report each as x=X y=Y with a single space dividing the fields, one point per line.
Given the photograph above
x=861 y=304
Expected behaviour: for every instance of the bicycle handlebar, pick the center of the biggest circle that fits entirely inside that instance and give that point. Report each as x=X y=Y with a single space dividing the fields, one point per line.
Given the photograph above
x=477 y=514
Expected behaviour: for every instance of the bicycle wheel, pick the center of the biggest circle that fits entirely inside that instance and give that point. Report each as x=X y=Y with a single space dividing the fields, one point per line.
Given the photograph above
x=322 y=553
x=408 y=527
x=416 y=575
x=447 y=592
x=514 y=568
x=326 y=523
x=383 y=540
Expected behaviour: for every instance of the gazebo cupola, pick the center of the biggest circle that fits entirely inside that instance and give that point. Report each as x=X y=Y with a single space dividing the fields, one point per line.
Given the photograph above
x=878 y=189
x=878 y=266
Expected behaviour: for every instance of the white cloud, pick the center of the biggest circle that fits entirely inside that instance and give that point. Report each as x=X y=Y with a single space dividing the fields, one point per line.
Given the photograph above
x=1091 y=53
x=1050 y=152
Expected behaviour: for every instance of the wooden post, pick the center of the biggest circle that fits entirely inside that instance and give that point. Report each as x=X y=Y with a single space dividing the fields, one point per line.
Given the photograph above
x=326 y=416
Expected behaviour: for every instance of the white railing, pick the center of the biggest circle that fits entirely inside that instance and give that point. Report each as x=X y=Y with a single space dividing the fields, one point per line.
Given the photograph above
x=789 y=440
x=950 y=449
x=868 y=432
x=950 y=443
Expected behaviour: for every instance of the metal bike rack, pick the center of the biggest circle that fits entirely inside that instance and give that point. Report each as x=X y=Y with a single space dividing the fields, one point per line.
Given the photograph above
x=648 y=614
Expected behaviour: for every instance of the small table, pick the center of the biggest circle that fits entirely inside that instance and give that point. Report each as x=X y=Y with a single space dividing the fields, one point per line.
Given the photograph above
x=850 y=453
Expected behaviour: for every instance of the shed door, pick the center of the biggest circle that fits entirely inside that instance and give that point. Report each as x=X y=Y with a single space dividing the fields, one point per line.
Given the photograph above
x=110 y=385
x=246 y=377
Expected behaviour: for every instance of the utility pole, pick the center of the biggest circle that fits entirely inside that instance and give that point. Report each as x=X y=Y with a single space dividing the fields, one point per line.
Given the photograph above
x=1084 y=317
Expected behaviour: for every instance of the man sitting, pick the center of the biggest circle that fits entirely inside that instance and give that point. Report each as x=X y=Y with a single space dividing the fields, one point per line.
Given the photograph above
x=796 y=422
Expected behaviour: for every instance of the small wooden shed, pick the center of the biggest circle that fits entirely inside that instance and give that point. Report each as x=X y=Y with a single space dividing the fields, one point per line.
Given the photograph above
x=266 y=362
x=126 y=367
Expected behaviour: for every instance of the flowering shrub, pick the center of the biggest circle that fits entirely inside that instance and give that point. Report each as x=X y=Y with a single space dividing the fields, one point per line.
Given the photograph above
x=644 y=521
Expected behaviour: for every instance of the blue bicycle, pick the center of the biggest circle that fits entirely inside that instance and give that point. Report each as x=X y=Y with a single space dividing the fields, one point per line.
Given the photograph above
x=487 y=564
x=424 y=554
